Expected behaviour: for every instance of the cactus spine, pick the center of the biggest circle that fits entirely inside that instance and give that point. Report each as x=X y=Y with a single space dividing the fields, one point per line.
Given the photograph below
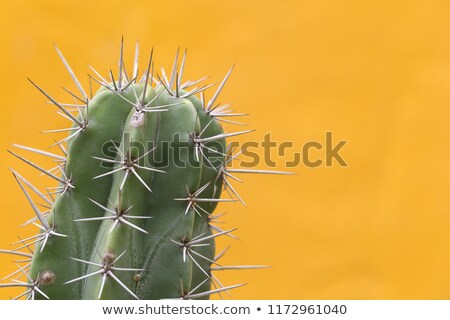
x=131 y=216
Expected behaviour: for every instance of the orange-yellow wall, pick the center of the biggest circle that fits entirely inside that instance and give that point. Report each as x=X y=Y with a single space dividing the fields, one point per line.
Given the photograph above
x=375 y=73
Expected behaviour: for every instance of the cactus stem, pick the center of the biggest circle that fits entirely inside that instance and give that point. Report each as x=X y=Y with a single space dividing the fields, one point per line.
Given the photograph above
x=190 y=240
x=72 y=74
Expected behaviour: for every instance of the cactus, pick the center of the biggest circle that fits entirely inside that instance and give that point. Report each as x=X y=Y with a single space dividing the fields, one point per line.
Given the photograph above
x=141 y=173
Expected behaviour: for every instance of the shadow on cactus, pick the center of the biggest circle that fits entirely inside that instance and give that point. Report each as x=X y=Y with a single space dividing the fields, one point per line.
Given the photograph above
x=139 y=176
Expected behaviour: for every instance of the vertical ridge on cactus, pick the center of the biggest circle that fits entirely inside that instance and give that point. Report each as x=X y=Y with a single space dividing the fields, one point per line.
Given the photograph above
x=139 y=179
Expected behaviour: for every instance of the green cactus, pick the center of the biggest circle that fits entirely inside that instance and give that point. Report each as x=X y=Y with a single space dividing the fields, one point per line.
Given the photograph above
x=141 y=175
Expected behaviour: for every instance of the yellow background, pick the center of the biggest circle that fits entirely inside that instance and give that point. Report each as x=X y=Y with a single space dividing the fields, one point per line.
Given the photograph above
x=375 y=73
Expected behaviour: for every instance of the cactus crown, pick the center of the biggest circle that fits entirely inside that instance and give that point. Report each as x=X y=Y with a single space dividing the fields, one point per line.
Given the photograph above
x=141 y=172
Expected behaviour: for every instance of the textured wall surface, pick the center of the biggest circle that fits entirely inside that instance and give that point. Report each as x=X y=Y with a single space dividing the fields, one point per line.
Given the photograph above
x=375 y=73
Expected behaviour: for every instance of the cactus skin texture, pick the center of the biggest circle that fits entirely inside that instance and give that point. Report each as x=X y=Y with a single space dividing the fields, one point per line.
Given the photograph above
x=142 y=172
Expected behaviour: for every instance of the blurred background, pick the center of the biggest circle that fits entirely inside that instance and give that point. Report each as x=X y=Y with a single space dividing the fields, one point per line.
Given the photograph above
x=375 y=73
